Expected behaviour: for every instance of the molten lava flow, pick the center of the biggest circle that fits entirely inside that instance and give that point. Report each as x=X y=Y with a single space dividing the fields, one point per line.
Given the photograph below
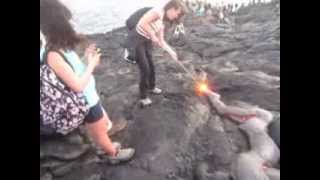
x=201 y=87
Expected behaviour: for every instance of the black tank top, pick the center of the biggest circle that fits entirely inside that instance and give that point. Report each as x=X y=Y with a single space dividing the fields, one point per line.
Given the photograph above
x=133 y=20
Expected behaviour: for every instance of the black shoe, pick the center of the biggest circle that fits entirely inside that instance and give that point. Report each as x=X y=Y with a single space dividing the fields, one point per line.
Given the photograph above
x=128 y=57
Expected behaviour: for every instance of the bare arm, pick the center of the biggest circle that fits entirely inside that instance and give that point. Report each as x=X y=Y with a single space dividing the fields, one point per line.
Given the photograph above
x=65 y=72
x=164 y=45
x=161 y=37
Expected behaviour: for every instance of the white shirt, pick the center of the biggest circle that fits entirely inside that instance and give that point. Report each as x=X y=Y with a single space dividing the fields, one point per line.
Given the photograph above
x=156 y=25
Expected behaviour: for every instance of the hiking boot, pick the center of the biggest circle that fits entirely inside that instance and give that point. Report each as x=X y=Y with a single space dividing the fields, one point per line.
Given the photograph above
x=145 y=102
x=156 y=91
x=122 y=155
x=127 y=57
x=115 y=144
x=118 y=126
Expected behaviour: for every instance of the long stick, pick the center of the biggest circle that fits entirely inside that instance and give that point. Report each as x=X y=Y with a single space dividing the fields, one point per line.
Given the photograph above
x=185 y=69
x=168 y=49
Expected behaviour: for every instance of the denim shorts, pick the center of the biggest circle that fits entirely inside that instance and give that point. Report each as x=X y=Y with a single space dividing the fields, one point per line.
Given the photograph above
x=95 y=113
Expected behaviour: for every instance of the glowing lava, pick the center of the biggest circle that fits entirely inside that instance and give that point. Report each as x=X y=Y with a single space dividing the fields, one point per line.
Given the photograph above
x=201 y=88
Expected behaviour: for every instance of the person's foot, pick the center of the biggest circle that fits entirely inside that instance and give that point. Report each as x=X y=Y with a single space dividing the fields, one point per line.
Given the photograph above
x=156 y=91
x=123 y=155
x=145 y=102
x=116 y=145
x=127 y=57
x=118 y=126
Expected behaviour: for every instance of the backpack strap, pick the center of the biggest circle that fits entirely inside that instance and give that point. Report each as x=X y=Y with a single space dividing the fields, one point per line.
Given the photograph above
x=133 y=20
x=45 y=61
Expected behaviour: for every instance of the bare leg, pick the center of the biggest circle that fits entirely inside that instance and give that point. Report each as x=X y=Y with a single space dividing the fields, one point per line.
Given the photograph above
x=97 y=131
x=107 y=120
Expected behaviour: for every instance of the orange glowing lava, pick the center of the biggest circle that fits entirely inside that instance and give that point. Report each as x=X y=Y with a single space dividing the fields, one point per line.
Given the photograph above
x=201 y=88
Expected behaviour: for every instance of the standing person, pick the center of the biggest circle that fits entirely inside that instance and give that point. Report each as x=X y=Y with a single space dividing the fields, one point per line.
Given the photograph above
x=60 y=56
x=147 y=28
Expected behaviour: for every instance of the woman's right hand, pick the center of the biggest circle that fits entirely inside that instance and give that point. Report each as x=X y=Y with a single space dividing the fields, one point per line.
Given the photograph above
x=155 y=40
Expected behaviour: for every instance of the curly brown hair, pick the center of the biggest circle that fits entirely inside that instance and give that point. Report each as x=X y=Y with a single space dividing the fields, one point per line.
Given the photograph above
x=55 y=25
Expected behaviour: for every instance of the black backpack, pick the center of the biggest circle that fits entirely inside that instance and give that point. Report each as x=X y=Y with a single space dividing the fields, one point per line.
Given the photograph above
x=133 y=20
x=61 y=109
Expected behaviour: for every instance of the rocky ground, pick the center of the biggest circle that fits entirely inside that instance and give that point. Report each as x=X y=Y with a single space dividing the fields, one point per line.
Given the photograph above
x=180 y=133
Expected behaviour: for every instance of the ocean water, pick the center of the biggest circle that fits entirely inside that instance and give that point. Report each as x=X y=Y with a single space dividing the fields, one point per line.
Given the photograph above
x=100 y=16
